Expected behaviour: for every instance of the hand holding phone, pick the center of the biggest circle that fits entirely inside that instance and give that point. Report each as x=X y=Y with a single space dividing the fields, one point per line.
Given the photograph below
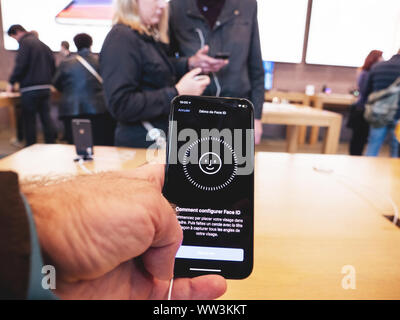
x=210 y=178
x=193 y=83
x=207 y=63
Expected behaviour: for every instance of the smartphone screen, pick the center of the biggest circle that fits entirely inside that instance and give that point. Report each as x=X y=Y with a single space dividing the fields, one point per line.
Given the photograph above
x=210 y=179
x=82 y=135
x=87 y=12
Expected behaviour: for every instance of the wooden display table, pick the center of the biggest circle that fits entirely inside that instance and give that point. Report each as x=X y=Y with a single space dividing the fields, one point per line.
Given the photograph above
x=321 y=99
x=8 y=100
x=294 y=116
x=318 y=101
x=316 y=218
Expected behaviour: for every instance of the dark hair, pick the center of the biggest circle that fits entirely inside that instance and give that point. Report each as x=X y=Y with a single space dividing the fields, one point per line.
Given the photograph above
x=371 y=59
x=65 y=44
x=14 y=29
x=83 y=40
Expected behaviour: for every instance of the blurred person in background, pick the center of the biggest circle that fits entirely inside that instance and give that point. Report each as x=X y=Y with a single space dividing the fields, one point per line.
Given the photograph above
x=357 y=122
x=34 y=68
x=82 y=93
x=380 y=77
x=140 y=80
x=64 y=50
x=223 y=26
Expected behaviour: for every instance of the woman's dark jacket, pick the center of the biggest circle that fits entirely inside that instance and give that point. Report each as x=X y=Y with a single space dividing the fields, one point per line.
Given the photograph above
x=139 y=83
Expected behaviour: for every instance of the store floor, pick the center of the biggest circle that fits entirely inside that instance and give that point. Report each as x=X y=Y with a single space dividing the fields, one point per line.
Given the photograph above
x=267 y=145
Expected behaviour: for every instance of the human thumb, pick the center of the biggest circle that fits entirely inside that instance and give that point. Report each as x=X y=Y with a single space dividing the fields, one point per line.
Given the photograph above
x=193 y=73
x=204 y=50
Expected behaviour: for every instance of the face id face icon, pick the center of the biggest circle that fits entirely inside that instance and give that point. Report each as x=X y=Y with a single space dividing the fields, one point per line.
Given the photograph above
x=210 y=163
x=206 y=171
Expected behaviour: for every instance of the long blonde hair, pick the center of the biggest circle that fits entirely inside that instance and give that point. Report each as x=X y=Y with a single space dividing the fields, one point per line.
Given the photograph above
x=127 y=12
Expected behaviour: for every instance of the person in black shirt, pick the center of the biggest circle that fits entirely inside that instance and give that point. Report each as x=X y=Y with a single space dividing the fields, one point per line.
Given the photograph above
x=223 y=26
x=34 y=69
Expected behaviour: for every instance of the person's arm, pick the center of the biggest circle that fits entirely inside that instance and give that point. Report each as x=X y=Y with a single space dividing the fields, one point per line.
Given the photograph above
x=180 y=64
x=256 y=69
x=21 y=64
x=121 y=69
x=113 y=236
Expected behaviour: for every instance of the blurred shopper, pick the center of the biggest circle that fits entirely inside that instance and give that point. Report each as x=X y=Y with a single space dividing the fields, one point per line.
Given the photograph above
x=223 y=26
x=139 y=79
x=78 y=80
x=34 y=69
x=357 y=121
x=381 y=76
x=64 y=50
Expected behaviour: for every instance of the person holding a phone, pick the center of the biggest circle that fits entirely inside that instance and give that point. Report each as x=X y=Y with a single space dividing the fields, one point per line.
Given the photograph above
x=140 y=80
x=108 y=236
x=227 y=29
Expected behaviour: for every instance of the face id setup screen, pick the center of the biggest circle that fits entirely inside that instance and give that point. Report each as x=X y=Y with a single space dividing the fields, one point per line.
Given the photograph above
x=210 y=180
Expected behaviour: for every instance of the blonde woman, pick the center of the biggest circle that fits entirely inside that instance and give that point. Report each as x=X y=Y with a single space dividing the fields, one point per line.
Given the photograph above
x=139 y=79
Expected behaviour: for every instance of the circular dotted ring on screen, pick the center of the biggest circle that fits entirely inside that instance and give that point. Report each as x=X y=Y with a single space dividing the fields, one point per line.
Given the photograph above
x=211 y=166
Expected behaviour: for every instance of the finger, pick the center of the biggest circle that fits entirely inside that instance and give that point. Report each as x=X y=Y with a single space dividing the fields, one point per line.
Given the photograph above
x=207 y=287
x=194 y=72
x=205 y=49
x=204 y=82
x=211 y=60
x=159 y=259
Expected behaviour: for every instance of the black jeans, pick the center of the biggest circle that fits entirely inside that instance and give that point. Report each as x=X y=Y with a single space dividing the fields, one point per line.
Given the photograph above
x=360 y=129
x=359 y=138
x=33 y=102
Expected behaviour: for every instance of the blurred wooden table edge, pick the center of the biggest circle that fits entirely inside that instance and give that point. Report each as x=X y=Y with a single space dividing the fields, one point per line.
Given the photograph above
x=317 y=100
x=295 y=117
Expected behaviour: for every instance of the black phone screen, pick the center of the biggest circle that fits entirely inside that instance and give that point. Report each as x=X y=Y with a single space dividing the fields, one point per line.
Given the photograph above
x=210 y=180
x=222 y=55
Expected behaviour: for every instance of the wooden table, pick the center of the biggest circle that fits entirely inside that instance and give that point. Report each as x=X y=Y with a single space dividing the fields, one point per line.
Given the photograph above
x=8 y=100
x=294 y=116
x=321 y=99
x=314 y=215
x=318 y=101
x=291 y=97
